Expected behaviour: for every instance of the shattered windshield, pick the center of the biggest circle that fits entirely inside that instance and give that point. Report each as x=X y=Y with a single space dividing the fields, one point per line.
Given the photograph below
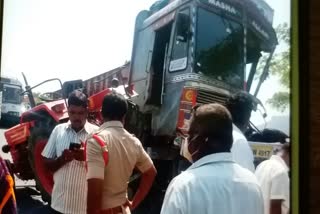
x=219 y=48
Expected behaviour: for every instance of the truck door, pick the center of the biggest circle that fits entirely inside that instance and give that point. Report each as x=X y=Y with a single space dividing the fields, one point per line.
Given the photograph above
x=169 y=53
x=148 y=58
x=158 y=64
x=141 y=58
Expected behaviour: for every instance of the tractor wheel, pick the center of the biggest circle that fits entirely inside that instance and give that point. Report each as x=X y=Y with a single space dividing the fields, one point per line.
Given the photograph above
x=43 y=177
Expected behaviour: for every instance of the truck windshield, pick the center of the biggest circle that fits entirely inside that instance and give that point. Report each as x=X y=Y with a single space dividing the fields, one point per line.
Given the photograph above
x=11 y=94
x=219 y=48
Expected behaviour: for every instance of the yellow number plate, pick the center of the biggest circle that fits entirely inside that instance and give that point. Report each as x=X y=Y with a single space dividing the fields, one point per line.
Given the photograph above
x=262 y=151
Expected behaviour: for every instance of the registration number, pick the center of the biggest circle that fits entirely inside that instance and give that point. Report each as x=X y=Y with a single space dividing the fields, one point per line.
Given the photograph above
x=262 y=151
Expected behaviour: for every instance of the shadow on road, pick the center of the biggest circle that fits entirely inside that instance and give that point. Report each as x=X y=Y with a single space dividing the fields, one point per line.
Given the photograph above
x=29 y=201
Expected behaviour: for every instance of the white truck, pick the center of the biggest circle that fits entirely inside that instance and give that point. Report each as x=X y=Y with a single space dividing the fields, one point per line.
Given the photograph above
x=11 y=100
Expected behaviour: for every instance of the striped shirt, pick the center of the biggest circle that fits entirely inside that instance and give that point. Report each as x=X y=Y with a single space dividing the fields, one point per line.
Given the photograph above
x=69 y=194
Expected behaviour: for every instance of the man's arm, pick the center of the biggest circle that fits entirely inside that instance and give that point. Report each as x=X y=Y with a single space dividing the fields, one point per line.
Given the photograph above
x=95 y=176
x=50 y=155
x=279 y=193
x=94 y=200
x=275 y=206
x=145 y=166
x=55 y=164
x=146 y=182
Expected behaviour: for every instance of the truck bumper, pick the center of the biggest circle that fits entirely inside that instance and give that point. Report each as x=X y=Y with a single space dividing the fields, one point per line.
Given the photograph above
x=8 y=119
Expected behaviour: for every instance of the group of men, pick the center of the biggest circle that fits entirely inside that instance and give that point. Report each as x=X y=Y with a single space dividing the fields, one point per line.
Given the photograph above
x=95 y=180
x=93 y=176
x=222 y=177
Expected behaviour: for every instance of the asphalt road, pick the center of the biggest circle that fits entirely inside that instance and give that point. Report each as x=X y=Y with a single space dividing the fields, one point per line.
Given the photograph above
x=28 y=198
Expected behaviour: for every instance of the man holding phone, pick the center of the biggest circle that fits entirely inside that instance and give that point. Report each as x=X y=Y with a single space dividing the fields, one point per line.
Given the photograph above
x=64 y=156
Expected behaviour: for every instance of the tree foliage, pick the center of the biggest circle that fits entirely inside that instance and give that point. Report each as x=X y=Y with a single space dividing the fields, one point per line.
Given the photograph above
x=280 y=67
x=280 y=100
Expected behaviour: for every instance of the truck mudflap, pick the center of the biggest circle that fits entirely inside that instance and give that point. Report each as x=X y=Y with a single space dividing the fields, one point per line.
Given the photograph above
x=263 y=151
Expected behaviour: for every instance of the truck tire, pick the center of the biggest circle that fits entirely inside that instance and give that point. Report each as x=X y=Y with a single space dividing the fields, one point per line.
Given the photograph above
x=43 y=177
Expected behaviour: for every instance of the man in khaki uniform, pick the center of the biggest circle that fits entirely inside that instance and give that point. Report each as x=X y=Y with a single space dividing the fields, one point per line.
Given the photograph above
x=108 y=179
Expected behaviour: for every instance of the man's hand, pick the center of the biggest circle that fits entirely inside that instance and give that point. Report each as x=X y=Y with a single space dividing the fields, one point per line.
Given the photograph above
x=67 y=156
x=79 y=155
x=146 y=182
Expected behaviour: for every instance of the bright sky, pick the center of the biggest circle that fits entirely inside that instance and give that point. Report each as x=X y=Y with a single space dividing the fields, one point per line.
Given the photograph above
x=78 y=39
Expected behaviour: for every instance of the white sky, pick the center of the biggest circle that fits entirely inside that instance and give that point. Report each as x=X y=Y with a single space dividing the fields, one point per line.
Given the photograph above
x=78 y=39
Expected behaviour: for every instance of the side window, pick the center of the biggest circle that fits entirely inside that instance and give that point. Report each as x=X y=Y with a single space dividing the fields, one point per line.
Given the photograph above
x=179 y=55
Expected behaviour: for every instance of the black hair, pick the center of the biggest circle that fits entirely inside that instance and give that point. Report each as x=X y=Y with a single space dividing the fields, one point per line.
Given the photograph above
x=240 y=106
x=77 y=98
x=213 y=121
x=114 y=106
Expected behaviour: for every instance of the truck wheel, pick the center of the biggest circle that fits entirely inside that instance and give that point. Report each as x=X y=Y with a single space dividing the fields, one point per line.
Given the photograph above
x=43 y=177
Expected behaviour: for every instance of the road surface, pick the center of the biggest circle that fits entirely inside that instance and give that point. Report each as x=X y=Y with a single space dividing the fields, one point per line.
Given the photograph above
x=28 y=198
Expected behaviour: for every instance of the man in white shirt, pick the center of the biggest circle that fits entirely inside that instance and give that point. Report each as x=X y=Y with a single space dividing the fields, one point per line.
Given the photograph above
x=240 y=106
x=214 y=183
x=273 y=175
x=70 y=187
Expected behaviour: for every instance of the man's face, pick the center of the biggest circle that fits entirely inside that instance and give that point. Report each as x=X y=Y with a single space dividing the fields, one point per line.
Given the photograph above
x=77 y=116
x=195 y=140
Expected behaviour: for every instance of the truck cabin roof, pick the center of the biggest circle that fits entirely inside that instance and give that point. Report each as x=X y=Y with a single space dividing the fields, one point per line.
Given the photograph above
x=251 y=14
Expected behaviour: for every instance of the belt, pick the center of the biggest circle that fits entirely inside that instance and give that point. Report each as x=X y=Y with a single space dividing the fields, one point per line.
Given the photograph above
x=115 y=210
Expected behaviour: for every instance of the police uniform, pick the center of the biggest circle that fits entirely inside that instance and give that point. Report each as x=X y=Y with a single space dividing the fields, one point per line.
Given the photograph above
x=125 y=152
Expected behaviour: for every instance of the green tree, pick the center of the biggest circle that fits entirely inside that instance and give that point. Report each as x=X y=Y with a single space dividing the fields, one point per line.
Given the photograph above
x=280 y=67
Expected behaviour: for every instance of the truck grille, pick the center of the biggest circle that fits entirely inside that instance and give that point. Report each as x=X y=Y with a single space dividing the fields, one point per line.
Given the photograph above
x=205 y=97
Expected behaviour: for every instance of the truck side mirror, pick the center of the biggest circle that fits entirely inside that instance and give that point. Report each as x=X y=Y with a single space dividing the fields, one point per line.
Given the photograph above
x=69 y=86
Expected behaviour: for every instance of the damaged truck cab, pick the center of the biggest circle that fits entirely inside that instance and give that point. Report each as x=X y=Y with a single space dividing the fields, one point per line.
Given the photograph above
x=195 y=52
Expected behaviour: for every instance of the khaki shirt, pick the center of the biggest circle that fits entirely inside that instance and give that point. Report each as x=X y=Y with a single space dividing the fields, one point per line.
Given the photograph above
x=125 y=153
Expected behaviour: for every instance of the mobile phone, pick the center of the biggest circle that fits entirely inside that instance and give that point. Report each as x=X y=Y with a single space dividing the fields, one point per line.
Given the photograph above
x=74 y=146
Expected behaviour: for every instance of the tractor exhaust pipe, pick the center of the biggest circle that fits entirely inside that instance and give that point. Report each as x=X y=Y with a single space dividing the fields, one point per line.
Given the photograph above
x=29 y=92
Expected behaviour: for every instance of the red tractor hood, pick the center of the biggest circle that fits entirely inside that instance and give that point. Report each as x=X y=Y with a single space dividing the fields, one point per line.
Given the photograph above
x=56 y=109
